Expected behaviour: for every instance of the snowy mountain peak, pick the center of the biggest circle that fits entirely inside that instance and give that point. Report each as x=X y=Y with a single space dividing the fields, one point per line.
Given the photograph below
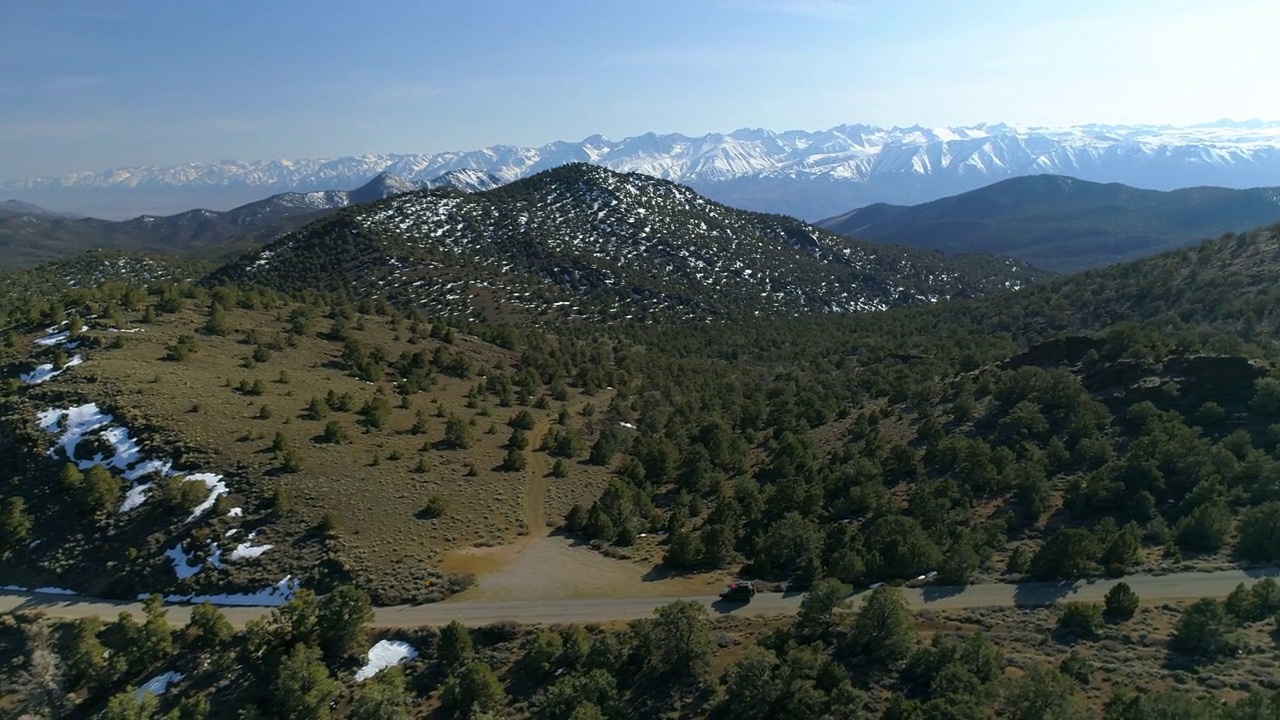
x=382 y=185
x=803 y=173
x=466 y=180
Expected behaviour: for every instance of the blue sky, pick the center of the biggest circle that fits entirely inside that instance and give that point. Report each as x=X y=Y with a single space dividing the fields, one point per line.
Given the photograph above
x=92 y=85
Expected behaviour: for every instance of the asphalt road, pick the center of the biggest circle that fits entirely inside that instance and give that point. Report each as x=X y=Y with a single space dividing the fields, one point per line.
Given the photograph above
x=1151 y=588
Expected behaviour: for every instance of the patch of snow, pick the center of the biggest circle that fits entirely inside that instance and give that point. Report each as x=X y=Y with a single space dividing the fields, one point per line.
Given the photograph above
x=39 y=590
x=54 y=339
x=147 y=467
x=158 y=684
x=125 y=450
x=215 y=555
x=49 y=419
x=80 y=421
x=385 y=654
x=216 y=488
x=135 y=497
x=235 y=512
x=247 y=550
x=182 y=564
x=270 y=596
x=44 y=373
x=126 y=454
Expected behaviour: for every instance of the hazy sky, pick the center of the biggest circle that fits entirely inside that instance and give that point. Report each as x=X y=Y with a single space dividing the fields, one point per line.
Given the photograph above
x=94 y=84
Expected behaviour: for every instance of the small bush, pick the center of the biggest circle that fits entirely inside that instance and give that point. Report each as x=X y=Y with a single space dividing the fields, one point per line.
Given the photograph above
x=330 y=523
x=1080 y=620
x=435 y=507
x=1121 y=602
x=290 y=462
x=1205 y=630
x=1078 y=667
x=335 y=433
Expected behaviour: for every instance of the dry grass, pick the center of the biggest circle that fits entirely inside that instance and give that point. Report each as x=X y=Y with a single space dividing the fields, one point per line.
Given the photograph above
x=1132 y=653
x=373 y=485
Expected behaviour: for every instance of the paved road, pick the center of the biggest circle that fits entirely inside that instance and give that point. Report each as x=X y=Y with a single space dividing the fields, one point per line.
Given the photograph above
x=1151 y=588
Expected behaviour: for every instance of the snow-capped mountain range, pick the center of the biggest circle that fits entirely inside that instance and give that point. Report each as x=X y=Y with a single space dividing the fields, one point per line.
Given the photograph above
x=806 y=174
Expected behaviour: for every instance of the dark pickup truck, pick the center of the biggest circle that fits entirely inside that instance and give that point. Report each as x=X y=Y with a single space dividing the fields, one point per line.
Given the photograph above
x=739 y=592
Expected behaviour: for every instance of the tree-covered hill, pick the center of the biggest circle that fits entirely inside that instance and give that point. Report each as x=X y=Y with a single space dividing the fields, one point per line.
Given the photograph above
x=1118 y=420
x=1063 y=224
x=584 y=241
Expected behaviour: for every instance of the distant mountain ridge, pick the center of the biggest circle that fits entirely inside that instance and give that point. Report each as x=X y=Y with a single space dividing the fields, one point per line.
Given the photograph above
x=31 y=234
x=1064 y=224
x=805 y=174
x=582 y=241
x=18 y=208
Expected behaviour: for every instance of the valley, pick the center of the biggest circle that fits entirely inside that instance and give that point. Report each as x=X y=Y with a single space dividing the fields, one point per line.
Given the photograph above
x=740 y=360
x=586 y=397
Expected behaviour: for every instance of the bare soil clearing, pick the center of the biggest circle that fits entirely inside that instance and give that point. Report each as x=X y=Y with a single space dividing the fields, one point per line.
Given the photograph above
x=559 y=568
x=540 y=566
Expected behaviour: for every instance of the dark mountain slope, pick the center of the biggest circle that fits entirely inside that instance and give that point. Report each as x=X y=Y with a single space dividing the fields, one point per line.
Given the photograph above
x=1063 y=224
x=29 y=238
x=15 y=208
x=582 y=240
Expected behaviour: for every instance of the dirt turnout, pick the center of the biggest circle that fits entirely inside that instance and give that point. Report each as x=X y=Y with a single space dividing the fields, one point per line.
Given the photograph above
x=559 y=568
x=541 y=566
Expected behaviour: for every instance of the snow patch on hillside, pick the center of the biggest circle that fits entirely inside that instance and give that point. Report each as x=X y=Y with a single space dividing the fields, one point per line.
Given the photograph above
x=385 y=654
x=87 y=421
x=270 y=596
x=158 y=684
x=44 y=373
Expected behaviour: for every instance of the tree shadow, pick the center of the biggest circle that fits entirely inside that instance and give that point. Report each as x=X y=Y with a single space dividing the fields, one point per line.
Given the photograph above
x=1042 y=594
x=1186 y=663
x=934 y=593
x=662 y=572
x=575 y=541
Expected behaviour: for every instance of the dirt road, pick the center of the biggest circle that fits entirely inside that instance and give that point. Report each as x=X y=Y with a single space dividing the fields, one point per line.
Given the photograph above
x=1151 y=588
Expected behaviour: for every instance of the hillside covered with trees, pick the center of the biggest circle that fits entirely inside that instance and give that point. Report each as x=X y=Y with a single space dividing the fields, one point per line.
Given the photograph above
x=1120 y=420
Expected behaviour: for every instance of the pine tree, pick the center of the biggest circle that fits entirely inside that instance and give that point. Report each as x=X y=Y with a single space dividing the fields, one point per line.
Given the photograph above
x=157 y=637
x=383 y=697
x=15 y=524
x=303 y=687
x=882 y=630
x=454 y=648
x=208 y=627
x=344 y=616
